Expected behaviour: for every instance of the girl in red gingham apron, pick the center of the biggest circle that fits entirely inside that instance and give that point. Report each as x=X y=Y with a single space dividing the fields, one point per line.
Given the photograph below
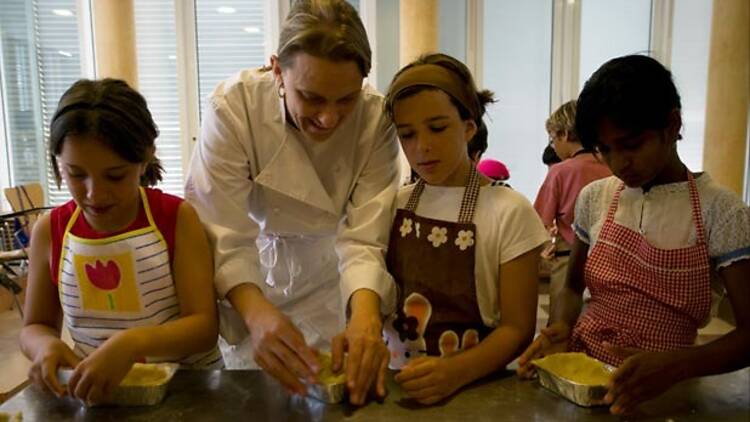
x=641 y=296
x=125 y=267
x=648 y=241
x=463 y=251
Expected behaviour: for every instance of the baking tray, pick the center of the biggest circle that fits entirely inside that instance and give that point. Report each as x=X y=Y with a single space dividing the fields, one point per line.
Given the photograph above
x=133 y=395
x=585 y=395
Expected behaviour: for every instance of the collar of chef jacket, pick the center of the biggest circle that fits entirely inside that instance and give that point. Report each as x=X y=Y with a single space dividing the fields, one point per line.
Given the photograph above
x=291 y=172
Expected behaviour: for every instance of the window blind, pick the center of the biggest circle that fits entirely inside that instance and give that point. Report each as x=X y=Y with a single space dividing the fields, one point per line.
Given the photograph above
x=230 y=37
x=59 y=65
x=156 y=44
x=41 y=59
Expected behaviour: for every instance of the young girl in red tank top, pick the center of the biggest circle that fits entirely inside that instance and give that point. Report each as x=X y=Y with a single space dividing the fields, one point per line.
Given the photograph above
x=646 y=242
x=110 y=263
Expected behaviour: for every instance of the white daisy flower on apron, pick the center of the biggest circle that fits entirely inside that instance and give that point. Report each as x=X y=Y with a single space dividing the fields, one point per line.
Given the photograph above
x=406 y=227
x=465 y=239
x=438 y=236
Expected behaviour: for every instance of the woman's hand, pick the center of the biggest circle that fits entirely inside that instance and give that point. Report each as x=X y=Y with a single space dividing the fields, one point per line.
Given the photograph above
x=642 y=376
x=430 y=379
x=95 y=378
x=367 y=358
x=279 y=348
x=552 y=339
x=43 y=371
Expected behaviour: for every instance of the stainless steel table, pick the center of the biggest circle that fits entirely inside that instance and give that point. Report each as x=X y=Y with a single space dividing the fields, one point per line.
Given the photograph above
x=252 y=395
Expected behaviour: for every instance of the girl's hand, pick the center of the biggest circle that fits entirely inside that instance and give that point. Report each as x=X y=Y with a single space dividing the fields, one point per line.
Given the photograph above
x=552 y=339
x=430 y=379
x=367 y=358
x=642 y=376
x=43 y=371
x=96 y=377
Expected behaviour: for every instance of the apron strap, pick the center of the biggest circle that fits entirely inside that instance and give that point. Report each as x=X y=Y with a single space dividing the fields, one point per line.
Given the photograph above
x=613 y=205
x=411 y=204
x=696 y=203
x=469 y=201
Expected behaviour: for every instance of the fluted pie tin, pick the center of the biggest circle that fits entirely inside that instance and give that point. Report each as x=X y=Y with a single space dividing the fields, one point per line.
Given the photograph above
x=145 y=384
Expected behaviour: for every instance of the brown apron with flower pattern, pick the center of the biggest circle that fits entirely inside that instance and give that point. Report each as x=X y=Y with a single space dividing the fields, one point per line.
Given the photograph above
x=432 y=262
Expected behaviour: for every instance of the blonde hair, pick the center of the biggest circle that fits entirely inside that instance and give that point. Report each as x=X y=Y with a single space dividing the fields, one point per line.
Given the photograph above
x=328 y=29
x=563 y=120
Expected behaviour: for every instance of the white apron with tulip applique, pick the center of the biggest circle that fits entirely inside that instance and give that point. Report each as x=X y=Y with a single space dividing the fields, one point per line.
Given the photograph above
x=119 y=282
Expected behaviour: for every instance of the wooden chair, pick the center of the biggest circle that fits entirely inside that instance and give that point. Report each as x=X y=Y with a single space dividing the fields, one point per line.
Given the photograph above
x=26 y=199
x=27 y=203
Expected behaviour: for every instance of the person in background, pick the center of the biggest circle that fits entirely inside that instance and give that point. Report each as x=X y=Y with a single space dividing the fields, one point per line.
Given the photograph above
x=295 y=175
x=549 y=156
x=493 y=169
x=557 y=196
x=647 y=240
x=477 y=146
x=111 y=263
x=463 y=250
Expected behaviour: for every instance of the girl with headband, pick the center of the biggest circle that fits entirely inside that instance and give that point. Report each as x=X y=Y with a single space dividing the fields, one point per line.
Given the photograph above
x=463 y=250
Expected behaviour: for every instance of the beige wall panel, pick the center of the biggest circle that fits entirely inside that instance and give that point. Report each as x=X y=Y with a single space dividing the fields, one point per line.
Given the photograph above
x=728 y=93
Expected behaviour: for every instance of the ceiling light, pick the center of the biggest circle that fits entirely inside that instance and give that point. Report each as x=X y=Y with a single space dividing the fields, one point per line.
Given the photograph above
x=65 y=53
x=62 y=12
x=226 y=10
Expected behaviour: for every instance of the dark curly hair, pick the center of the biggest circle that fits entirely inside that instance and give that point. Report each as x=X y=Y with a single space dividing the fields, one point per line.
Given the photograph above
x=635 y=92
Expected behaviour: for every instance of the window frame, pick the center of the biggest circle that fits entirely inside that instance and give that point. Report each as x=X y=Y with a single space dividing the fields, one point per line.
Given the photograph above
x=563 y=84
x=187 y=67
x=747 y=161
x=187 y=79
x=4 y=150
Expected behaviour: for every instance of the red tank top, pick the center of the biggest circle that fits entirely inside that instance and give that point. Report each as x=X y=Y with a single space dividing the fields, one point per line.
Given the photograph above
x=164 y=209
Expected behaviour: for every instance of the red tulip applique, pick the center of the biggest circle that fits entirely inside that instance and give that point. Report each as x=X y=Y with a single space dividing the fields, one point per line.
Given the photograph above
x=105 y=277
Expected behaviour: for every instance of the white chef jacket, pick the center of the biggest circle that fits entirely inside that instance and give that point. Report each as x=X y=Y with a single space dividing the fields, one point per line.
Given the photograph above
x=253 y=177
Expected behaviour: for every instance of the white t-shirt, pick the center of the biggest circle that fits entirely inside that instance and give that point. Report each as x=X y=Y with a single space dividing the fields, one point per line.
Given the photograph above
x=663 y=215
x=507 y=226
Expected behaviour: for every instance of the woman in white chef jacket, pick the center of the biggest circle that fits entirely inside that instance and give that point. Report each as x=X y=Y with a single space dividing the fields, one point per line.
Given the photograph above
x=294 y=176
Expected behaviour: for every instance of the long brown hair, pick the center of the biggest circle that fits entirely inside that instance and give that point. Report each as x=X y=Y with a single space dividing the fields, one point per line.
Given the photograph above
x=113 y=112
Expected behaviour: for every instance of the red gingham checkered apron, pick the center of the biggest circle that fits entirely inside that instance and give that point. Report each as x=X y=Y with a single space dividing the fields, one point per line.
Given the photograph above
x=641 y=296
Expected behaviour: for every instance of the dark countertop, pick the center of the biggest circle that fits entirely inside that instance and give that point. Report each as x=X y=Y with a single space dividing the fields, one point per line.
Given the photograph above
x=252 y=395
